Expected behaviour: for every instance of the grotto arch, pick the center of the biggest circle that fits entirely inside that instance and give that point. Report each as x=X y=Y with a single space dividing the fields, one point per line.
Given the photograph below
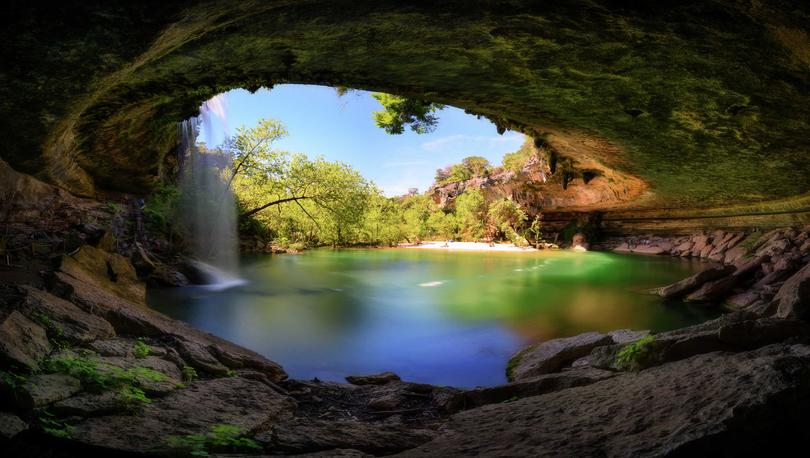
x=669 y=99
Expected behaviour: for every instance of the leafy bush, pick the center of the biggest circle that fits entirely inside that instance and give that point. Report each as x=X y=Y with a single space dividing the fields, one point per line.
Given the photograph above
x=162 y=208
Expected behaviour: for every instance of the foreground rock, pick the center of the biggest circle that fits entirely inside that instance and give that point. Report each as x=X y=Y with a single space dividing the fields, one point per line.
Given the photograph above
x=231 y=400
x=548 y=357
x=739 y=404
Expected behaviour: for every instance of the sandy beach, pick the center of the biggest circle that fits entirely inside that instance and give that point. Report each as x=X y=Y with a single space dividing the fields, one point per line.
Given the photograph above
x=468 y=246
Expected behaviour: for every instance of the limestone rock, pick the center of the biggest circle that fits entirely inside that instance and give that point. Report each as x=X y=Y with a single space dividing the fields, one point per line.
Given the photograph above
x=694 y=282
x=193 y=410
x=794 y=296
x=71 y=322
x=651 y=413
x=386 y=402
x=622 y=336
x=89 y=405
x=548 y=357
x=376 y=379
x=580 y=242
x=172 y=378
x=108 y=271
x=300 y=436
x=541 y=384
x=22 y=341
x=40 y=390
x=199 y=357
x=714 y=290
x=10 y=425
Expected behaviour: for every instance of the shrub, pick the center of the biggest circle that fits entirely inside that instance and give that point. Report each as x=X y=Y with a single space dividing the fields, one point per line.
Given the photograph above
x=632 y=356
x=162 y=208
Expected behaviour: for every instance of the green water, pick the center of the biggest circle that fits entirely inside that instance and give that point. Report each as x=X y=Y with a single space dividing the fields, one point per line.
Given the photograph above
x=433 y=317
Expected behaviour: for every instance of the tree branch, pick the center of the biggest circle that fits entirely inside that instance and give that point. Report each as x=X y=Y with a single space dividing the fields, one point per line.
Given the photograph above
x=250 y=213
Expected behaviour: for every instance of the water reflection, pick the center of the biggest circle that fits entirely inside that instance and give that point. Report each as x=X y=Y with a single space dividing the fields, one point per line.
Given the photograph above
x=445 y=318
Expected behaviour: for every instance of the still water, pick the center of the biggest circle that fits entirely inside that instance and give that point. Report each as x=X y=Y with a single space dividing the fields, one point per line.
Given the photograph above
x=434 y=317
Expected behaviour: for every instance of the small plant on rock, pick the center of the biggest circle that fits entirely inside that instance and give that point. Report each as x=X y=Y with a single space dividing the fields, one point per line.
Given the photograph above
x=631 y=356
x=54 y=426
x=189 y=374
x=141 y=350
x=220 y=438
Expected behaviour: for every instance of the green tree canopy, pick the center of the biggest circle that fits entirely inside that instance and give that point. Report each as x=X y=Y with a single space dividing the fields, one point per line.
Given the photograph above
x=399 y=112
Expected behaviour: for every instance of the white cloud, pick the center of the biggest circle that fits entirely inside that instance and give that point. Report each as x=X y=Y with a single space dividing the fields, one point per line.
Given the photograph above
x=459 y=140
x=388 y=165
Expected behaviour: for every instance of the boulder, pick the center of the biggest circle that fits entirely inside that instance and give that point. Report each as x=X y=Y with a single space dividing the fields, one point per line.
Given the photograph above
x=653 y=249
x=794 y=296
x=198 y=357
x=692 y=283
x=386 y=402
x=167 y=276
x=142 y=262
x=126 y=317
x=742 y=300
x=622 y=336
x=302 y=436
x=10 y=425
x=68 y=321
x=171 y=376
x=699 y=243
x=541 y=384
x=763 y=331
x=713 y=291
x=90 y=405
x=550 y=356
x=108 y=271
x=22 y=342
x=580 y=242
x=734 y=403
x=376 y=379
x=43 y=389
x=194 y=410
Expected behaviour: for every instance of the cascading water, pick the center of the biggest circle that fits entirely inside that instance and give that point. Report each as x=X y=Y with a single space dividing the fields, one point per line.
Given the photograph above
x=208 y=204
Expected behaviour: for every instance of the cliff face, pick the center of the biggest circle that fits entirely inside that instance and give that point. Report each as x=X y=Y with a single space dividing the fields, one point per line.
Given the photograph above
x=697 y=104
x=548 y=180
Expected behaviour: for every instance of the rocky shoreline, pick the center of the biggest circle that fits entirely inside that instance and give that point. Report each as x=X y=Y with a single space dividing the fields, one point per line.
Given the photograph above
x=89 y=369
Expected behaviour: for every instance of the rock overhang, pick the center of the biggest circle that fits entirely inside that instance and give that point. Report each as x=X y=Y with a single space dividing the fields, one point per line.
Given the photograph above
x=704 y=102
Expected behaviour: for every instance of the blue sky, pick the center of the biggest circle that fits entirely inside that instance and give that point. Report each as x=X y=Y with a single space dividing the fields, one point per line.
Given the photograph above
x=341 y=128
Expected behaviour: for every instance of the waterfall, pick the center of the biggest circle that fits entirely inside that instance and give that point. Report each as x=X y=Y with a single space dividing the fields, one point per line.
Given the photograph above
x=208 y=205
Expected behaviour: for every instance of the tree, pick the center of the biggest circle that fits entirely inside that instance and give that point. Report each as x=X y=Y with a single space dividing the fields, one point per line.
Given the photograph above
x=471 y=211
x=399 y=112
x=507 y=217
x=476 y=165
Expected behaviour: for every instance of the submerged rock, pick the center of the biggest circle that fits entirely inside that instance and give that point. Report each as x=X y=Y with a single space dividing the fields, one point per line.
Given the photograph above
x=690 y=284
